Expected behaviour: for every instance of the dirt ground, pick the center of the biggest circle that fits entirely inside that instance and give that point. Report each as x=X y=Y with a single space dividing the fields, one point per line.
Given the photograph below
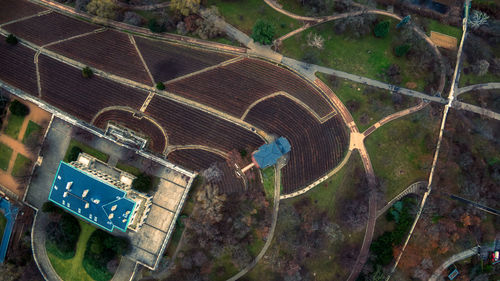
x=8 y=183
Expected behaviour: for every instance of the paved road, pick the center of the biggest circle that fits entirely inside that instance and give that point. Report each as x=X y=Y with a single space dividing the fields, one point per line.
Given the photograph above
x=38 y=246
x=476 y=109
x=437 y=275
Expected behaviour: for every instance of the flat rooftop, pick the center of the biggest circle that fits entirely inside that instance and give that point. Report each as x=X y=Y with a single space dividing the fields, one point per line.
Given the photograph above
x=90 y=198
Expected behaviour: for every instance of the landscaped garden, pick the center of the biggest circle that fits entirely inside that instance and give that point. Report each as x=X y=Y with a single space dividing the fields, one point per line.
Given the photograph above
x=396 y=56
x=366 y=104
x=320 y=232
x=79 y=251
x=5 y=154
x=75 y=147
x=22 y=166
x=401 y=151
x=16 y=118
x=32 y=129
x=268 y=182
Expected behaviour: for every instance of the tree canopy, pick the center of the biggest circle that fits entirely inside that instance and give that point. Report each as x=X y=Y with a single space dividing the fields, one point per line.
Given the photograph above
x=102 y=8
x=263 y=32
x=382 y=29
x=185 y=7
x=18 y=108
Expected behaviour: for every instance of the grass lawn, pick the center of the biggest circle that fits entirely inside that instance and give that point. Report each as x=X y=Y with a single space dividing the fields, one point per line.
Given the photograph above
x=3 y=223
x=32 y=128
x=268 y=179
x=402 y=150
x=72 y=269
x=366 y=56
x=366 y=104
x=127 y=168
x=14 y=123
x=472 y=79
x=435 y=25
x=325 y=199
x=5 y=154
x=21 y=164
x=225 y=262
x=87 y=149
x=244 y=14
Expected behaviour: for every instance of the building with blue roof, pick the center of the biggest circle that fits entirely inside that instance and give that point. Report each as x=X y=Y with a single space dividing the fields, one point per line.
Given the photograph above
x=268 y=154
x=98 y=197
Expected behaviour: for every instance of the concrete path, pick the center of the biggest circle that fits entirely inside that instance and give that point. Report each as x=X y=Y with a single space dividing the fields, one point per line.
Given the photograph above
x=38 y=246
x=451 y=97
x=476 y=109
x=485 y=86
x=125 y=271
x=437 y=275
x=277 y=186
x=394 y=116
x=414 y=188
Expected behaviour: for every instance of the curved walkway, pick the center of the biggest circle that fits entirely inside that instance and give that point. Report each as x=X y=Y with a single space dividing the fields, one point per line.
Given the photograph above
x=485 y=86
x=366 y=10
x=270 y=236
x=453 y=259
x=38 y=238
x=394 y=116
x=415 y=188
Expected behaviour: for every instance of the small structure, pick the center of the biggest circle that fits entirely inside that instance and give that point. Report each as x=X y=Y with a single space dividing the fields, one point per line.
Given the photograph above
x=454 y=273
x=99 y=194
x=268 y=154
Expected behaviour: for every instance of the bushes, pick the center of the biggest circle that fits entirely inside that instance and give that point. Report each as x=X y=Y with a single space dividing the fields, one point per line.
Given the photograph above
x=18 y=108
x=401 y=50
x=63 y=235
x=73 y=153
x=49 y=207
x=382 y=29
x=143 y=183
x=11 y=39
x=87 y=72
x=263 y=32
x=155 y=27
x=103 y=247
x=160 y=86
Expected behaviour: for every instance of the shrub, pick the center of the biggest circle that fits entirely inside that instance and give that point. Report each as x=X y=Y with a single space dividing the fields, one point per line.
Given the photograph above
x=102 y=247
x=63 y=235
x=11 y=39
x=155 y=27
x=143 y=183
x=49 y=207
x=401 y=50
x=18 y=108
x=263 y=32
x=73 y=153
x=160 y=86
x=382 y=29
x=87 y=72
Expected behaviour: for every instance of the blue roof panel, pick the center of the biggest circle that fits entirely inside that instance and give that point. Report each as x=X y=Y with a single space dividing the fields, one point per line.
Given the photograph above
x=103 y=205
x=268 y=154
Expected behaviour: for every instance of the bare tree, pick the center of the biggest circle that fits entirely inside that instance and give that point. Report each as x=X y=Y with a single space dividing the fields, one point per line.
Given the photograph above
x=477 y=19
x=315 y=40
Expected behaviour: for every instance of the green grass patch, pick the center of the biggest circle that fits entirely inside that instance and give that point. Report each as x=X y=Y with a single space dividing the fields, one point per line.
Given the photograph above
x=225 y=262
x=366 y=56
x=14 y=123
x=268 y=182
x=87 y=149
x=3 y=223
x=366 y=104
x=72 y=269
x=21 y=165
x=437 y=26
x=473 y=79
x=31 y=129
x=5 y=154
x=401 y=151
x=127 y=168
x=244 y=14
